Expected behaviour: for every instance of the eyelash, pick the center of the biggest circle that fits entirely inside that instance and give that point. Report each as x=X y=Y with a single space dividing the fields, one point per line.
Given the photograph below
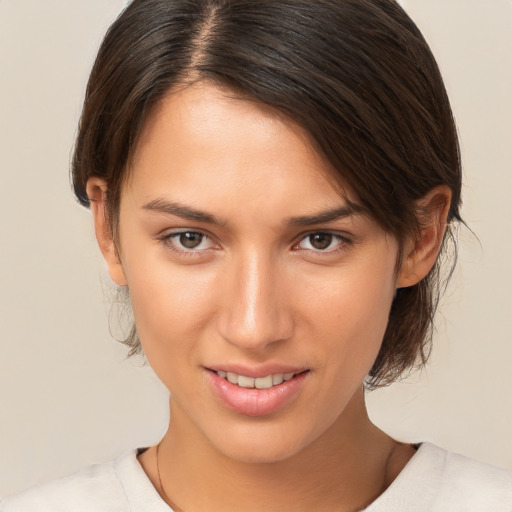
x=168 y=241
x=343 y=242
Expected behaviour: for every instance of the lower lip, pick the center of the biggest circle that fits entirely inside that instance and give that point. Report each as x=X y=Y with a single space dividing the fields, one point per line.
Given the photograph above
x=256 y=402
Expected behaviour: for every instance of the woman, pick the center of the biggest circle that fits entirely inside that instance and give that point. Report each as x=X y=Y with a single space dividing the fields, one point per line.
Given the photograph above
x=273 y=183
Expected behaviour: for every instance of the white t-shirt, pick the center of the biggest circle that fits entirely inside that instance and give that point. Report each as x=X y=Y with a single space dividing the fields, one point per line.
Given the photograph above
x=434 y=480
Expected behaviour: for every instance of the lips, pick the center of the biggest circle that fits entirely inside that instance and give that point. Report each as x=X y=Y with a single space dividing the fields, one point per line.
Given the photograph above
x=261 y=394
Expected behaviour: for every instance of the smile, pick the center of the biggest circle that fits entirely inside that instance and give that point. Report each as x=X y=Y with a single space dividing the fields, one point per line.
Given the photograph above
x=256 y=382
x=255 y=395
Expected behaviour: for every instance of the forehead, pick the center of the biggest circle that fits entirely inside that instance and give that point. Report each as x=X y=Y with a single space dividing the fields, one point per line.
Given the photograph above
x=206 y=140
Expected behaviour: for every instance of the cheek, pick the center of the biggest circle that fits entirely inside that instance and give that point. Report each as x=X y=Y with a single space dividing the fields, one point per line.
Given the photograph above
x=355 y=302
x=171 y=305
x=350 y=315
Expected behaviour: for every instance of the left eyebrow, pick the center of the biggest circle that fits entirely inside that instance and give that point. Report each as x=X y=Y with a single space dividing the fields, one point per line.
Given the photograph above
x=326 y=216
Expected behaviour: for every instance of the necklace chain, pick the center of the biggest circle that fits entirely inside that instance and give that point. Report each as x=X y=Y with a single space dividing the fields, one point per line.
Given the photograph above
x=167 y=499
x=177 y=509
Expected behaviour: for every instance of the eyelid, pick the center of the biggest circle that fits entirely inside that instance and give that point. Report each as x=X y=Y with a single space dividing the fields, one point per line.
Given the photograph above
x=167 y=237
x=344 y=240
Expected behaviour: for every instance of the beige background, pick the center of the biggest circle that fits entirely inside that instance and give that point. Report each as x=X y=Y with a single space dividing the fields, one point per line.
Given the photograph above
x=68 y=398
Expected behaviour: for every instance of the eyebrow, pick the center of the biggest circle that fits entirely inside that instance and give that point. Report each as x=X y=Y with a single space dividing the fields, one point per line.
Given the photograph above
x=327 y=216
x=183 y=211
x=189 y=213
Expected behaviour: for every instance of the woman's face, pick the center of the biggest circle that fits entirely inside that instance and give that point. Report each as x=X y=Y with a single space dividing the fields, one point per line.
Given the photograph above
x=245 y=264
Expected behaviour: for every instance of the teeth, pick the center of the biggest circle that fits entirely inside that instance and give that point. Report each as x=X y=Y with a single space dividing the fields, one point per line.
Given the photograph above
x=277 y=379
x=232 y=377
x=258 y=382
x=263 y=382
x=245 y=382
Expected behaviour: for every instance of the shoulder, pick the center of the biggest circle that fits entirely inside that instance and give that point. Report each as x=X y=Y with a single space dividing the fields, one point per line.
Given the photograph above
x=96 y=488
x=472 y=484
x=436 y=480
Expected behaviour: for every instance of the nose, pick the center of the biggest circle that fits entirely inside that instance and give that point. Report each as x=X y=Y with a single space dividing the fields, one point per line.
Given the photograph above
x=256 y=310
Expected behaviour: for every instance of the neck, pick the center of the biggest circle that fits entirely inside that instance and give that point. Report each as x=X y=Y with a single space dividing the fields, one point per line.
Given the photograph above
x=346 y=468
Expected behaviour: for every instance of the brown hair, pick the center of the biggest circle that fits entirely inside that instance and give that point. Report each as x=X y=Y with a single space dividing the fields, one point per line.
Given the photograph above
x=357 y=75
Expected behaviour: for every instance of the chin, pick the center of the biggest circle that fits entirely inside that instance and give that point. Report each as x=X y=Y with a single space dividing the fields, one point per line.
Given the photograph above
x=260 y=444
x=258 y=453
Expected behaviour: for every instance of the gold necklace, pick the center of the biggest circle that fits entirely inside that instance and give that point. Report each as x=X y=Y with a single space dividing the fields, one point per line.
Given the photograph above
x=166 y=498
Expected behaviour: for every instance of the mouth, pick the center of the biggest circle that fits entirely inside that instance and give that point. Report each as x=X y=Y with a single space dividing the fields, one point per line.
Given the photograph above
x=267 y=382
x=257 y=395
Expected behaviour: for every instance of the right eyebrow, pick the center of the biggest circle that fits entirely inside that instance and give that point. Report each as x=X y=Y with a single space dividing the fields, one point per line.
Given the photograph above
x=182 y=210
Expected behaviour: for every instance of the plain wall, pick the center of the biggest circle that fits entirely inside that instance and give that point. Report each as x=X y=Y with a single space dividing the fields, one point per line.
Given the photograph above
x=68 y=397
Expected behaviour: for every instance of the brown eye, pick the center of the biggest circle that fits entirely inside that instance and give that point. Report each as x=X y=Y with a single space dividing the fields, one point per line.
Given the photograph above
x=323 y=242
x=320 y=241
x=190 y=240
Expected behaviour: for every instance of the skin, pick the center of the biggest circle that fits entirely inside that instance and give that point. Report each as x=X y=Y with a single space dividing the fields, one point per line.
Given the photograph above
x=257 y=291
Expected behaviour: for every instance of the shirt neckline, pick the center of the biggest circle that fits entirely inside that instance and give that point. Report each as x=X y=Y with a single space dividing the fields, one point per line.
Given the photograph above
x=142 y=495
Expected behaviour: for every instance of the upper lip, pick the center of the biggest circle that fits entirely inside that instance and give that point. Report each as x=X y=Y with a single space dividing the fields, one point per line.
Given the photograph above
x=256 y=371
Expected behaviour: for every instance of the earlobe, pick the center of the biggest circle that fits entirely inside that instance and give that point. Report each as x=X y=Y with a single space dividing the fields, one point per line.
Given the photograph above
x=420 y=255
x=97 y=194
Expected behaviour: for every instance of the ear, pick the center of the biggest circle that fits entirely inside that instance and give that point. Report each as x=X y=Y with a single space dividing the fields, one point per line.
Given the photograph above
x=97 y=193
x=420 y=255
